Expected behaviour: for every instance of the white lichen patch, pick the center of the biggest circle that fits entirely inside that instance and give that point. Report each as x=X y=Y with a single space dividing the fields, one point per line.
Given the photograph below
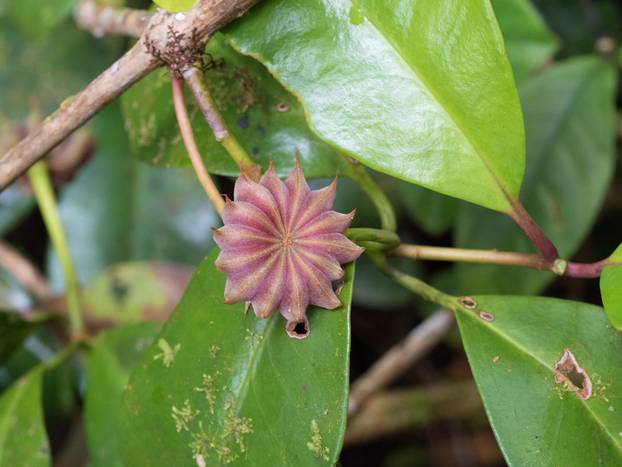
x=168 y=353
x=183 y=416
x=208 y=389
x=237 y=428
x=316 y=445
x=253 y=337
x=202 y=445
x=213 y=351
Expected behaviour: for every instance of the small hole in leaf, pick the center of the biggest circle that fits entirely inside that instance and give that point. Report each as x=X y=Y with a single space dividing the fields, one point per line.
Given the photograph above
x=575 y=378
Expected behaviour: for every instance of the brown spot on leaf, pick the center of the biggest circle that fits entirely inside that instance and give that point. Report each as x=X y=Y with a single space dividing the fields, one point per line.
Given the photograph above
x=486 y=316
x=468 y=303
x=569 y=373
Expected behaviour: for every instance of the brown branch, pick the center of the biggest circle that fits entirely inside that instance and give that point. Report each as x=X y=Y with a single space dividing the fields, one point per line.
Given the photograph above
x=399 y=358
x=102 y=20
x=170 y=39
x=25 y=272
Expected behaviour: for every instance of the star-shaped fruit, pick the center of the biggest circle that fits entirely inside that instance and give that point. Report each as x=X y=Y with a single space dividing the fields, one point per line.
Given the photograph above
x=283 y=247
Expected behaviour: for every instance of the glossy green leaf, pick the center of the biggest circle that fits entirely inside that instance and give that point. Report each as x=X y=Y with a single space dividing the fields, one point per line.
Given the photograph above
x=513 y=353
x=176 y=5
x=13 y=331
x=611 y=288
x=569 y=115
x=23 y=440
x=37 y=18
x=118 y=210
x=112 y=357
x=223 y=387
x=264 y=117
x=528 y=40
x=420 y=90
x=136 y=291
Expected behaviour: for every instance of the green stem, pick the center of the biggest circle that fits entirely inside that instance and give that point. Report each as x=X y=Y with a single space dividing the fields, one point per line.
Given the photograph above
x=415 y=285
x=44 y=193
x=387 y=215
x=374 y=239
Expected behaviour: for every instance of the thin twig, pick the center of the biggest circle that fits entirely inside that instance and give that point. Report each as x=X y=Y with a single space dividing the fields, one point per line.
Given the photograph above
x=185 y=127
x=197 y=84
x=168 y=39
x=401 y=357
x=424 y=252
x=25 y=272
x=502 y=258
x=103 y=20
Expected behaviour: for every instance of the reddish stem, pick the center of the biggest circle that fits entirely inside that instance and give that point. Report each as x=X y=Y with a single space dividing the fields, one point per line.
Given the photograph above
x=534 y=232
x=586 y=270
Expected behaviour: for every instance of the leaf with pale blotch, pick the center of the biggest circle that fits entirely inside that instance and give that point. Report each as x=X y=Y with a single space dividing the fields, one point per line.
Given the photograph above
x=611 y=288
x=23 y=440
x=135 y=291
x=549 y=375
x=225 y=387
x=420 y=90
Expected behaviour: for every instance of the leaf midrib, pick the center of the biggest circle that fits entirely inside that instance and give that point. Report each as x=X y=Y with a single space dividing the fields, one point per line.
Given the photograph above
x=522 y=349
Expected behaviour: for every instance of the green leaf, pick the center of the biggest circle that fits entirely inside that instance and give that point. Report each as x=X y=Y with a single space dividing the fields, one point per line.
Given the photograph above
x=569 y=115
x=40 y=75
x=264 y=117
x=118 y=210
x=528 y=40
x=13 y=330
x=419 y=90
x=23 y=440
x=611 y=288
x=37 y=18
x=111 y=359
x=234 y=389
x=513 y=357
x=176 y=5
x=136 y=291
